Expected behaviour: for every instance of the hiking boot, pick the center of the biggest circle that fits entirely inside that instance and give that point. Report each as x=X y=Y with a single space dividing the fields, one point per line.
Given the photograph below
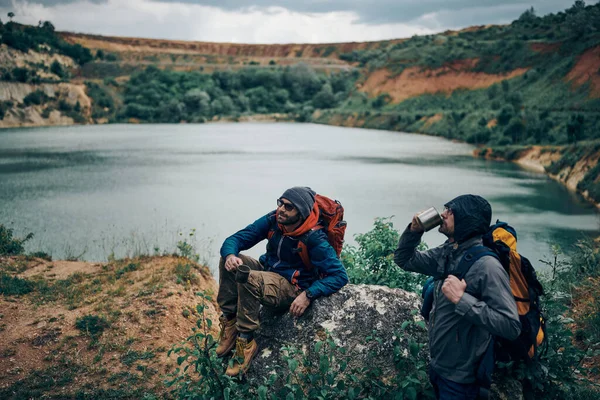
x=244 y=353
x=227 y=336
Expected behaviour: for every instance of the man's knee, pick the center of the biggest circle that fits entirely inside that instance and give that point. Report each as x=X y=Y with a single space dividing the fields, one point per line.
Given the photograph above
x=253 y=284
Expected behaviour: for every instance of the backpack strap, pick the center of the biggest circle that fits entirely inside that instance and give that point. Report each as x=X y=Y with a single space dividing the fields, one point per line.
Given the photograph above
x=272 y=216
x=471 y=256
x=303 y=241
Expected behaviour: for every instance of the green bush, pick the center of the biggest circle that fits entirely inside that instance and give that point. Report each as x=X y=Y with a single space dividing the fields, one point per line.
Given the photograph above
x=24 y=38
x=4 y=107
x=591 y=183
x=57 y=69
x=35 y=98
x=20 y=74
x=14 y=286
x=41 y=254
x=92 y=325
x=102 y=102
x=372 y=262
x=9 y=245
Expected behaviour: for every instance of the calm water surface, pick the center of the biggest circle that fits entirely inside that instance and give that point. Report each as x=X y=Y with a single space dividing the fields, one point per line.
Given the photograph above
x=122 y=189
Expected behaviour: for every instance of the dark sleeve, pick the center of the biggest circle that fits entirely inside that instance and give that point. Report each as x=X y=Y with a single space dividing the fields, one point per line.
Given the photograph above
x=324 y=258
x=406 y=256
x=247 y=237
x=497 y=310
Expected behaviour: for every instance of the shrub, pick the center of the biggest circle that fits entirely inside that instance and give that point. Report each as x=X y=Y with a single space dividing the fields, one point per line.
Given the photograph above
x=590 y=183
x=91 y=325
x=381 y=100
x=41 y=254
x=128 y=268
x=21 y=74
x=57 y=69
x=37 y=97
x=14 y=286
x=9 y=245
x=4 y=107
x=111 y=57
x=372 y=262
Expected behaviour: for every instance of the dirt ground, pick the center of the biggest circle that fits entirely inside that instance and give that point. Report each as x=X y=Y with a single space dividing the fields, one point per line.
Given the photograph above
x=147 y=305
x=586 y=70
x=414 y=81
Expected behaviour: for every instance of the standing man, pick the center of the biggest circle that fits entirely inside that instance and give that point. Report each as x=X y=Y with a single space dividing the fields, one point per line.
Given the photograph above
x=279 y=278
x=466 y=313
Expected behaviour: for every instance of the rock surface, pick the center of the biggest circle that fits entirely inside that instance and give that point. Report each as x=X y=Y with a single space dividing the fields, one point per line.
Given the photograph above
x=349 y=316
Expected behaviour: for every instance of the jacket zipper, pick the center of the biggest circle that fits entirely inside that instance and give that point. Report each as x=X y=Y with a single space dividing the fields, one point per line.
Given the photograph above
x=432 y=315
x=278 y=252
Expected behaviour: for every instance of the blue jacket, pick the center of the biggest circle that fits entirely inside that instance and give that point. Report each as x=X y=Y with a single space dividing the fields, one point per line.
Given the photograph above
x=283 y=258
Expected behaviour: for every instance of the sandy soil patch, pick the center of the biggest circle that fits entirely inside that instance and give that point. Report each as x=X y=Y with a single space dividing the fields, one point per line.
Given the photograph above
x=432 y=120
x=586 y=70
x=536 y=160
x=414 y=81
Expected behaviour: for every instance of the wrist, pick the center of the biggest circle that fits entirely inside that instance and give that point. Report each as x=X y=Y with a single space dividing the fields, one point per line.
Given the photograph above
x=309 y=295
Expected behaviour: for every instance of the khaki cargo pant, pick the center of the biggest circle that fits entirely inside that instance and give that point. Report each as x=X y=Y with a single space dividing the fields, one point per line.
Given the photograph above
x=244 y=299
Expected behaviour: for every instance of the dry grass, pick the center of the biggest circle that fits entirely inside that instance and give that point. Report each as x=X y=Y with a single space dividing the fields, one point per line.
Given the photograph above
x=142 y=300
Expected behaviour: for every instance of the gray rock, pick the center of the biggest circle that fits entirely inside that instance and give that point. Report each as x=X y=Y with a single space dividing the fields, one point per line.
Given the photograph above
x=349 y=316
x=505 y=388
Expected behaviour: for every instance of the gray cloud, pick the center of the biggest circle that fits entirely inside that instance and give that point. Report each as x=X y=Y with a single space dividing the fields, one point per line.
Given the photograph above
x=47 y=3
x=393 y=11
x=270 y=21
x=456 y=12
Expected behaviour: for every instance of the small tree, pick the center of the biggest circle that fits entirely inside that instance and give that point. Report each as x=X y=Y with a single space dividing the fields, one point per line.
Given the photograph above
x=11 y=15
x=575 y=128
x=528 y=15
x=57 y=69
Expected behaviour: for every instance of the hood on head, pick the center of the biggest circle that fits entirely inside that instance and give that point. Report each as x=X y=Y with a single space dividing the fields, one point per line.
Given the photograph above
x=472 y=216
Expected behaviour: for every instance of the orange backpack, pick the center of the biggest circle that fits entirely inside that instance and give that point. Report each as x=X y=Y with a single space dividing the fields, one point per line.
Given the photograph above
x=331 y=219
x=526 y=289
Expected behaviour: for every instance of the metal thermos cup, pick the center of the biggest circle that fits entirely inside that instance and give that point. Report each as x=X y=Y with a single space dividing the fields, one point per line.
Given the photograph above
x=429 y=219
x=243 y=271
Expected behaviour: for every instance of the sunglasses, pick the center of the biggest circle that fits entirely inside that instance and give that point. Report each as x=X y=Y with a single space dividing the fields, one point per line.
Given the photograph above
x=286 y=206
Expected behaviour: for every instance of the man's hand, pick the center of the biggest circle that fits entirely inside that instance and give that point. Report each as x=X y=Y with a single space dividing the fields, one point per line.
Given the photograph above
x=299 y=305
x=415 y=225
x=232 y=262
x=454 y=289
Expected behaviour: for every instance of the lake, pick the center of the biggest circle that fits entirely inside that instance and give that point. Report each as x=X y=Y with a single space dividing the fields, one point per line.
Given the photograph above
x=101 y=190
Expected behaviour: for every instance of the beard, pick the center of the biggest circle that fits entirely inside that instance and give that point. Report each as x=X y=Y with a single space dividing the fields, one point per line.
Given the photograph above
x=443 y=229
x=284 y=220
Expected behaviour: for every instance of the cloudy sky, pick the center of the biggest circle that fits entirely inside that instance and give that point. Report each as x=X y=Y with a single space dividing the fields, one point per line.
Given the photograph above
x=272 y=21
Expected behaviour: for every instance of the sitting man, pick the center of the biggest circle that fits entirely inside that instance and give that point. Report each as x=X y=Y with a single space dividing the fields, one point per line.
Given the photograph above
x=466 y=312
x=279 y=278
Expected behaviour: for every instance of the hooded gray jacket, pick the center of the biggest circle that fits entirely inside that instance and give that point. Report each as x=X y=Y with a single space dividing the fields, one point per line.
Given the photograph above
x=460 y=334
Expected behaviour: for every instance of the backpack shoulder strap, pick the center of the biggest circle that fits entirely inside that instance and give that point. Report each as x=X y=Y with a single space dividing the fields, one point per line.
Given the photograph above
x=530 y=276
x=471 y=256
x=303 y=245
x=272 y=216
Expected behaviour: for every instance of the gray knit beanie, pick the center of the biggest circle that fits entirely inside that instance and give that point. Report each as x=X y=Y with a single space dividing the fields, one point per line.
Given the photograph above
x=303 y=198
